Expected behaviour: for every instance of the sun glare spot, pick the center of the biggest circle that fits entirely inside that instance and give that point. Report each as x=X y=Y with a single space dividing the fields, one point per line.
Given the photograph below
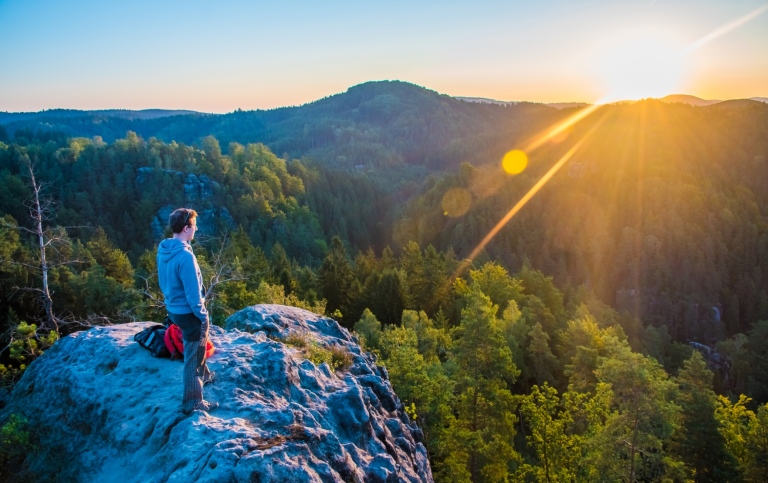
x=640 y=65
x=456 y=202
x=514 y=162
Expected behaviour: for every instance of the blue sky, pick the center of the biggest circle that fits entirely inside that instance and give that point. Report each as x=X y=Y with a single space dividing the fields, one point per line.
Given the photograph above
x=220 y=56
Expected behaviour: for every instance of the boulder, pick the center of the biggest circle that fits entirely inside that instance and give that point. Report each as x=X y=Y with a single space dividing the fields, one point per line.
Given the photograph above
x=101 y=408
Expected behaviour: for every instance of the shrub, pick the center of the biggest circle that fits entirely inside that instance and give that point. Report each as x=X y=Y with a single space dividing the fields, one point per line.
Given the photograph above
x=296 y=340
x=337 y=357
x=15 y=443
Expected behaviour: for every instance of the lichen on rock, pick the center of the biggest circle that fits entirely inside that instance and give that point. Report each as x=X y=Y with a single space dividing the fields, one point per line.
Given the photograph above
x=103 y=409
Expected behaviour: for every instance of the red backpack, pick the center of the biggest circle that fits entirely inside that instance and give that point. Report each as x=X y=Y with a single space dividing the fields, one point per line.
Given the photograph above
x=175 y=343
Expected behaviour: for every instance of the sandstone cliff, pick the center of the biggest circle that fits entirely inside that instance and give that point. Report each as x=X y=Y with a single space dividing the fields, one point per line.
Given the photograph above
x=103 y=409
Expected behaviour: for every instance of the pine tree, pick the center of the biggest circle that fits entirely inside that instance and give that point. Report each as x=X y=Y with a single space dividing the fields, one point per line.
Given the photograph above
x=757 y=444
x=549 y=420
x=114 y=260
x=368 y=328
x=746 y=436
x=412 y=264
x=335 y=277
x=631 y=443
x=281 y=269
x=545 y=365
x=701 y=445
x=254 y=263
x=485 y=407
x=494 y=281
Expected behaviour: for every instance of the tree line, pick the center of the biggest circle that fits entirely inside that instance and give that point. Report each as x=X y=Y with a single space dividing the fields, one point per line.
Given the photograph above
x=516 y=368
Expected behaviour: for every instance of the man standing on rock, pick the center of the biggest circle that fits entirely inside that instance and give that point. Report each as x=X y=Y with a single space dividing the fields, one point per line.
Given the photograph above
x=182 y=285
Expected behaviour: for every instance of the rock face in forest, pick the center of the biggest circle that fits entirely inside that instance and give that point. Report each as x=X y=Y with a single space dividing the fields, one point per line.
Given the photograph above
x=103 y=409
x=198 y=193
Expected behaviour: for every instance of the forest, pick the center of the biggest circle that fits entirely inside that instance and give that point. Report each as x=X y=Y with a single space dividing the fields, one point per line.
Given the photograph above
x=615 y=329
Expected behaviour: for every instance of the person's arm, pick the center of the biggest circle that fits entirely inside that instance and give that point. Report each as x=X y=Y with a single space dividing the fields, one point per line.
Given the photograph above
x=189 y=272
x=161 y=268
x=162 y=277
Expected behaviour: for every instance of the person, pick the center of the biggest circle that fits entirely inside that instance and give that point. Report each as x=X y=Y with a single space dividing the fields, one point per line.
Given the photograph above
x=182 y=286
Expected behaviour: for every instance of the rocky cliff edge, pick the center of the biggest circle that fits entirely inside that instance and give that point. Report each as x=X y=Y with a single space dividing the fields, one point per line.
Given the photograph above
x=103 y=409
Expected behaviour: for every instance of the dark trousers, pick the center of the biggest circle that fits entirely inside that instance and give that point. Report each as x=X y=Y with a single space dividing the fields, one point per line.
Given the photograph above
x=195 y=334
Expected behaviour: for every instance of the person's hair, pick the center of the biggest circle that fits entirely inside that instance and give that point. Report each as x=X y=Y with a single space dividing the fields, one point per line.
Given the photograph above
x=181 y=218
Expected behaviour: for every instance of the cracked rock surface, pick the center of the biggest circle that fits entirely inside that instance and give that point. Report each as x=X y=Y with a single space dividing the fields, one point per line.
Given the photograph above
x=103 y=409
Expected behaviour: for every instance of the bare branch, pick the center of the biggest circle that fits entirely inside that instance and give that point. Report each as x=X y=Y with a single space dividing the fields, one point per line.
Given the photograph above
x=66 y=227
x=223 y=269
x=27 y=289
x=209 y=292
x=93 y=320
x=127 y=314
x=148 y=293
x=64 y=263
x=7 y=335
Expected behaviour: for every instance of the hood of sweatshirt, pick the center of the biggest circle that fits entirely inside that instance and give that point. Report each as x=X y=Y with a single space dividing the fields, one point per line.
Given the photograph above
x=170 y=247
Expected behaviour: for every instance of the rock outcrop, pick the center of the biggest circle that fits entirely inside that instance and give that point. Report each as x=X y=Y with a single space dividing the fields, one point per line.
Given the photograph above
x=198 y=193
x=103 y=409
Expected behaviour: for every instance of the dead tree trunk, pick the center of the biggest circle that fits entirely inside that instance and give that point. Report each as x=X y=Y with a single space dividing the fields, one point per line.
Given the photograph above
x=37 y=210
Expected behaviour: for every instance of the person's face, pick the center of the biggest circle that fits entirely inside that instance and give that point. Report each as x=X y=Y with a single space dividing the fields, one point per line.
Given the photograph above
x=190 y=229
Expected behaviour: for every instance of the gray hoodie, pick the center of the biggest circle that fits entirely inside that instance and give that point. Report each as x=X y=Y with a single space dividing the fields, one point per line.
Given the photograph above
x=179 y=278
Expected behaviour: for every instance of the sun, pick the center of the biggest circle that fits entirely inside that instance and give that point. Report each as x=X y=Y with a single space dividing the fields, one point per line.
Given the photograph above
x=639 y=65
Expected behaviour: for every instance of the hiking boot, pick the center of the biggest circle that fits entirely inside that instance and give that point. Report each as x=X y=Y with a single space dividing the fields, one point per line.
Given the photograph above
x=209 y=406
x=202 y=406
x=210 y=378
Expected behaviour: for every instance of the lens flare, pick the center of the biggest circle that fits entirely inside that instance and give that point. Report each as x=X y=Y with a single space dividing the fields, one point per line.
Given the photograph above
x=463 y=266
x=514 y=162
x=530 y=194
x=456 y=202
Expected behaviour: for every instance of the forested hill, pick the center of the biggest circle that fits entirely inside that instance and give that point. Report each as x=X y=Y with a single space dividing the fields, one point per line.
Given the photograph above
x=601 y=318
x=373 y=125
x=407 y=129
x=662 y=211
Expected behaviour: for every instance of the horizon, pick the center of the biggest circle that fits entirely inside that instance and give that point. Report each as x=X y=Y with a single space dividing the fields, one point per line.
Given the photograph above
x=464 y=98
x=235 y=55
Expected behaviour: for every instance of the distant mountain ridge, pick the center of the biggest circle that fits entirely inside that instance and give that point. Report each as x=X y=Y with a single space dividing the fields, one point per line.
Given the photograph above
x=485 y=100
x=699 y=102
x=146 y=114
x=567 y=105
x=681 y=98
x=371 y=125
x=690 y=100
x=7 y=117
x=391 y=130
x=556 y=105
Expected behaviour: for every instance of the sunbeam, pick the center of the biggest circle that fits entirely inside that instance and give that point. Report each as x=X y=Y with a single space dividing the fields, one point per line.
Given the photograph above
x=561 y=127
x=554 y=134
x=719 y=32
x=519 y=205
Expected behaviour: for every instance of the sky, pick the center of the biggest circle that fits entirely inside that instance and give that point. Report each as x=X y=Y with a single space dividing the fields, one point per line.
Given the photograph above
x=218 y=56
